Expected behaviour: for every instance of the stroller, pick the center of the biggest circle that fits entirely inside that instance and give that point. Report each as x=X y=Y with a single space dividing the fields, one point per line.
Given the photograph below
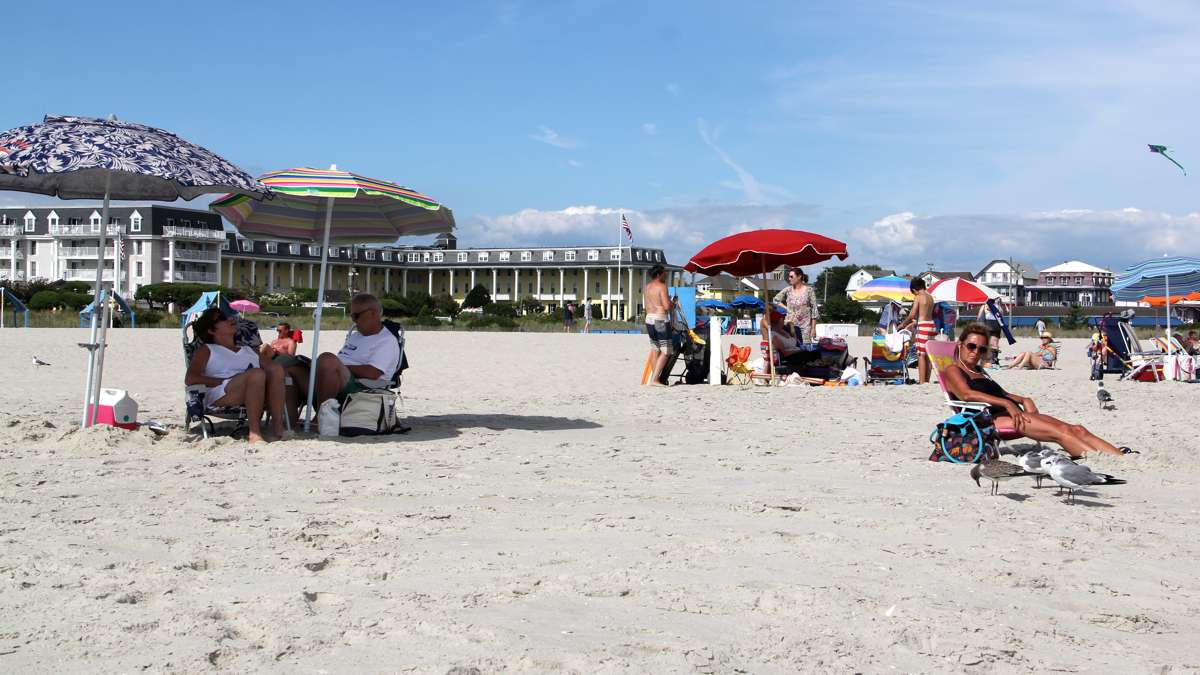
x=1119 y=352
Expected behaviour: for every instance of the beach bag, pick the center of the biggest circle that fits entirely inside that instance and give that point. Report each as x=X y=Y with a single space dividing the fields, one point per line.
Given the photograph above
x=368 y=413
x=967 y=437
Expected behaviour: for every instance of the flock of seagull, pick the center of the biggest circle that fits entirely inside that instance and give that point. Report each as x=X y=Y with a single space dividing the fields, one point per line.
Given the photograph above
x=1050 y=463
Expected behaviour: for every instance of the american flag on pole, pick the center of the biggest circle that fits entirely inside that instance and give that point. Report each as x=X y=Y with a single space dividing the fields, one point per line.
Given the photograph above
x=625 y=228
x=121 y=248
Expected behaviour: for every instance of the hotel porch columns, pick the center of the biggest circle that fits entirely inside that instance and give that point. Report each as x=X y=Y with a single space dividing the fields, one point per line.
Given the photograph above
x=171 y=260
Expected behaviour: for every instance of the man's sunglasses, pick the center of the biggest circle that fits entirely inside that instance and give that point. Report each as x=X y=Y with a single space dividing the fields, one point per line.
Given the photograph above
x=982 y=349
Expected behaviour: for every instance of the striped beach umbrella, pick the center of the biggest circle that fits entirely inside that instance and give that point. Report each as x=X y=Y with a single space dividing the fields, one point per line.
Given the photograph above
x=890 y=288
x=956 y=289
x=365 y=210
x=1159 y=276
x=328 y=205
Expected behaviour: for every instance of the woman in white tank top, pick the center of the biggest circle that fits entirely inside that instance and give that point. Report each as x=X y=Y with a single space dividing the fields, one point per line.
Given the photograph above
x=236 y=375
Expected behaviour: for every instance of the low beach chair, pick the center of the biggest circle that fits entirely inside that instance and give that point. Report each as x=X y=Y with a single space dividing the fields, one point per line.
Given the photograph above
x=941 y=354
x=886 y=365
x=736 y=370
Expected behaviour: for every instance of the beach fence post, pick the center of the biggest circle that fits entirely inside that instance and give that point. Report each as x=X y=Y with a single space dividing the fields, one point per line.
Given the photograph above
x=714 y=353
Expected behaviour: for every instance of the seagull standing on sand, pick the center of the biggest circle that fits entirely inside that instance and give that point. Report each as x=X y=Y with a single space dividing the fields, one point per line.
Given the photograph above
x=39 y=362
x=1034 y=462
x=1074 y=476
x=1102 y=395
x=997 y=471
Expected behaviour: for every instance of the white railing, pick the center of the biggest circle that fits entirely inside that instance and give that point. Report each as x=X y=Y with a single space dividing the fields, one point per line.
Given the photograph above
x=189 y=254
x=6 y=252
x=196 y=276
x=177 y=232
x=85 y=229
x=10 y=230
x=7 y=274
x=501 y=296
x=87 y=275
x=78 y=251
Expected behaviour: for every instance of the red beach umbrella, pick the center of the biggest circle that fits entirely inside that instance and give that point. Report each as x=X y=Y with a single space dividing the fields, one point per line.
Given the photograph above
x=748 y=253
x=957 y=289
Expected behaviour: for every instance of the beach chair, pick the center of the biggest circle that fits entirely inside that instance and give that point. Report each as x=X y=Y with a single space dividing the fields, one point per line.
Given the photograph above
x=941 y=354
x=1144 y=365
x=886 y=365
x=736 y=370
x=196 y=411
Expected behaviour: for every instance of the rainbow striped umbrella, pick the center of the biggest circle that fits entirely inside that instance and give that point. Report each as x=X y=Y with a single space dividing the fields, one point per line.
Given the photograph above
x=888 y=289
x=328 y=205
x=365 y=210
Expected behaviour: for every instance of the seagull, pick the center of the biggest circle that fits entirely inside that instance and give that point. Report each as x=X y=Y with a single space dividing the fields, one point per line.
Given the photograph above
x=39 y=362
x=1034 y=462
x=1074 y=476
x=997 y=471
x=1102 y=395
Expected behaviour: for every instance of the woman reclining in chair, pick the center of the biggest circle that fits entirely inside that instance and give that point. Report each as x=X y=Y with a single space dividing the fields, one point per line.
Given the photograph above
x=967 y=381
x=236 y=375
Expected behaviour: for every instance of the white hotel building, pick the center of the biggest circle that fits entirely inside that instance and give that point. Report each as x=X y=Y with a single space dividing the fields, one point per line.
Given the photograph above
x=183 y=245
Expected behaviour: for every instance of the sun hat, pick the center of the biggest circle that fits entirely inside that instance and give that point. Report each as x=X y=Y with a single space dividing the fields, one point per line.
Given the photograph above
x=1047 y=334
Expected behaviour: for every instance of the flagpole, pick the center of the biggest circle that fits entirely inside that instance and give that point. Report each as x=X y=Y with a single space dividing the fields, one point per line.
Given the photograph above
x=620 y=254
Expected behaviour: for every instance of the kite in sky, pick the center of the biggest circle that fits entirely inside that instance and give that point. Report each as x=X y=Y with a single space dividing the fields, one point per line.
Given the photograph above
x=1162 y=150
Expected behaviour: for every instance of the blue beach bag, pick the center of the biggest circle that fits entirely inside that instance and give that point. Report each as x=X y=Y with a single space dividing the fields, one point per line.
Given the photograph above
x=968 y=437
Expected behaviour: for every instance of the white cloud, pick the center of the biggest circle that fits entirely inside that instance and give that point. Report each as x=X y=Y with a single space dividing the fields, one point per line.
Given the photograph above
x=673 y=88
x=551 y=137
x=650 y=129
x=753 y=191
x=1107 y=238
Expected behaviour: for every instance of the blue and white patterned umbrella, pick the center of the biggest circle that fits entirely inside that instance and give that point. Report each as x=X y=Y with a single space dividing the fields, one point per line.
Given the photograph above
x=88 y=158
x=71 y=158
x=1159 y=276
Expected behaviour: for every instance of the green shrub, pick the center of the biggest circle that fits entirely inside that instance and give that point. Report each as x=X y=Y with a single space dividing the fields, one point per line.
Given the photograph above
x=392 y=307
x=445 y=305
x=45 y=300
x=75 y=300
x=424 y=319
x=492 y=321
x=500 y=309
x=477 y=297
x=149 y=317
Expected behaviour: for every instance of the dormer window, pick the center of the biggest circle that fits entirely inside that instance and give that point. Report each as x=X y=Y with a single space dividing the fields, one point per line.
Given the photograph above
x=272 y=247
x=462 y=256
x=294 y=249
x=333 y=252
x=314 y=251
x=547 y=256
x=225 y=245
x=386 y=255
x=31 y=220
x=94 y=221
x=482 y=256
x=526 y=256
x=593 y=254
x=569 y=256
x=438 y=257
x=135 y=222
x=247 y=245
x=505 y=256
x=370 y=253
x=614 y=254
x=414 y=257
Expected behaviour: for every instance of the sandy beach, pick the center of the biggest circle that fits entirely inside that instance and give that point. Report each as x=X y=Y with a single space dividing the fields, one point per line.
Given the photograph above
x=546 y=514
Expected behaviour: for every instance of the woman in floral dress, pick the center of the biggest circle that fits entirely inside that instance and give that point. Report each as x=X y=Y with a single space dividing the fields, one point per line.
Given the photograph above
x=801 y=303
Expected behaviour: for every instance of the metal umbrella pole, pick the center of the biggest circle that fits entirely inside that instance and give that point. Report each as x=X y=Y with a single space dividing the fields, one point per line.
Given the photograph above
x=767 y=315
x=91 y=390
x=312 y=367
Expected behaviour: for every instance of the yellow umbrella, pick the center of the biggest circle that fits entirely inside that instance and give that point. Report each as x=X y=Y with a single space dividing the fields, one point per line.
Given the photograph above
x=884 y=289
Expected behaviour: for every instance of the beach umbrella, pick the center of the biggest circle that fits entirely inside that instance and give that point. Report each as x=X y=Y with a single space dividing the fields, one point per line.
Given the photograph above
x=714 y=304
x=245 y=306
x=747 y=302
x=890 y=288
x=1159 y=276
x=89 y=158
x=328 y=205
x=957 y=289
x=759 y=251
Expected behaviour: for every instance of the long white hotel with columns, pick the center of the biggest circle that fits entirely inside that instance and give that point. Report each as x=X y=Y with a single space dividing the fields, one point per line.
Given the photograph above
x=185 y=245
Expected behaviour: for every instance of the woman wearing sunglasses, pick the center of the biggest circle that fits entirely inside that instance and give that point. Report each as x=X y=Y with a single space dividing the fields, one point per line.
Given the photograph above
x=967 y=381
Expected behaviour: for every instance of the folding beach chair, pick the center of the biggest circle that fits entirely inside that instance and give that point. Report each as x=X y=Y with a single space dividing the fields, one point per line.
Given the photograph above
x=887 y=365
x=941 y=354
x=736 y=370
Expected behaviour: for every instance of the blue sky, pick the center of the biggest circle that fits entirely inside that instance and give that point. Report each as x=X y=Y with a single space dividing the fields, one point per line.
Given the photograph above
x=918 y=132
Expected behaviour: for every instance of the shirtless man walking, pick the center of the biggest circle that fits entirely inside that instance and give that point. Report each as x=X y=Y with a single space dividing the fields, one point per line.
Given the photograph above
x=658 y=321
x=921 y=318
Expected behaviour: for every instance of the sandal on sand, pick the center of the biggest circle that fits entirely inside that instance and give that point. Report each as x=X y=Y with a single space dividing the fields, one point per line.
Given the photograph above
x=1128 y=451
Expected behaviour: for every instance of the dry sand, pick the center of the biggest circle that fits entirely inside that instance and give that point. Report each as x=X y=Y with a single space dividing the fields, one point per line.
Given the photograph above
x=547 y=515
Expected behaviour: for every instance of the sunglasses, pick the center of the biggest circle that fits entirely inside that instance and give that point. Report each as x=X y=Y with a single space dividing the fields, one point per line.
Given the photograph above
x=973 y=347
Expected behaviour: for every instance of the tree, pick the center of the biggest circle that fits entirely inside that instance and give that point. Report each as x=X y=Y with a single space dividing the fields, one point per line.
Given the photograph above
x=530 y=305
x=477 y=297
x=841 y=309
x=45 y=300
x=445 y=305
x=834 y=279
x=1073 y=318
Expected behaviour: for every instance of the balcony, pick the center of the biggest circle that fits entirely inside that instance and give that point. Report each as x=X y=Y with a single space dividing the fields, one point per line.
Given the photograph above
x=197 y=233
x=78 y=251
x=7 y=274
x=87 y=275
x=8 y=254
x=208 y=277
x=84 y=230
x=200 y=256
x=10 y=230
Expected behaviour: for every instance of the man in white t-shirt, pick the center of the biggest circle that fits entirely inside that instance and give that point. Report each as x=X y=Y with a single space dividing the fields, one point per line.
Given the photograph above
x=371 y=352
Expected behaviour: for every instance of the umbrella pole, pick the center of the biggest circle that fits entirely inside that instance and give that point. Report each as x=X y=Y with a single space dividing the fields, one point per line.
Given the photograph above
x=91 y=387
x=312 y=367
x=767 y=314
x=1168 y=280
